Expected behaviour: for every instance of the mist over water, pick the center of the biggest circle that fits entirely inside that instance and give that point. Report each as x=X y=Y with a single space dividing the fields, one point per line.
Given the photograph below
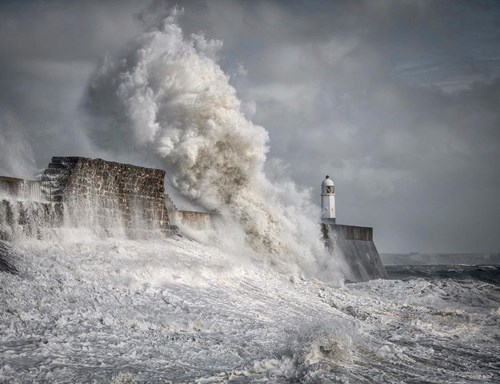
x=168 y=97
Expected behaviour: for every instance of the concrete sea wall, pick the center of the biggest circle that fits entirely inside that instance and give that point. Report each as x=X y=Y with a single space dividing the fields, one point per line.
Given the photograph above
x=28 y=218
x=193 y=219
x=105 y=197
x=109 y=194
x=22 y=189
x=356 y=246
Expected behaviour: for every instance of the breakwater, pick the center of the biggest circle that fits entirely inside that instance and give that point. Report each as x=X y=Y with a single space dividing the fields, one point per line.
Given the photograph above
x=355 y=245
x=105 y=197
x=109 y=194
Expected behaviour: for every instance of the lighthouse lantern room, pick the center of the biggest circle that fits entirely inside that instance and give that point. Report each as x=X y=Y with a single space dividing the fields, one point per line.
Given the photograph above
x=328 y=201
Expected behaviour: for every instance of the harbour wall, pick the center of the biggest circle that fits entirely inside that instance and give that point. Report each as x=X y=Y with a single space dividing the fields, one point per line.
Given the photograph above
x=106 y=193
x=27 y=218
x=182 y=217
x=22 y=189
x=193 y=219
x=355 y=245
x=106 y=197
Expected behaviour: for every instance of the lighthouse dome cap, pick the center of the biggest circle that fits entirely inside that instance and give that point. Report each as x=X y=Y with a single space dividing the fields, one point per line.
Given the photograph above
x=327 y=182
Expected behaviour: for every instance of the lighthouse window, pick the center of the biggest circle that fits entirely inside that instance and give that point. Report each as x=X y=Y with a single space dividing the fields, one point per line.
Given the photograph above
x=329 y=189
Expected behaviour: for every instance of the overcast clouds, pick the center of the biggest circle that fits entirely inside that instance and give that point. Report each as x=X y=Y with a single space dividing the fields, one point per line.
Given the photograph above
x=397 y=100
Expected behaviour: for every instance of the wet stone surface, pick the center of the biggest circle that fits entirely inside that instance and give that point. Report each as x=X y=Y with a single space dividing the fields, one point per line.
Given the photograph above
x=109 y=191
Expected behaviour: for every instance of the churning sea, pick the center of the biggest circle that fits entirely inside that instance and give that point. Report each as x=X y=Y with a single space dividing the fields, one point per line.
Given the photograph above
x=176 y=311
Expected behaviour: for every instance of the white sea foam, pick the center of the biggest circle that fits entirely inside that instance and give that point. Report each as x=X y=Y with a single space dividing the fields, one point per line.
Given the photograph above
x=84 y=310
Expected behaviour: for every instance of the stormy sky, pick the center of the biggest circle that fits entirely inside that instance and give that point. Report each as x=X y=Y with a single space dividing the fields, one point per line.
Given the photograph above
x=398 y=101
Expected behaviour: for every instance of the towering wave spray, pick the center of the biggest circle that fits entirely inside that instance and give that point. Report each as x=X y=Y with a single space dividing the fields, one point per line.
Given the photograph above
x=168 y=96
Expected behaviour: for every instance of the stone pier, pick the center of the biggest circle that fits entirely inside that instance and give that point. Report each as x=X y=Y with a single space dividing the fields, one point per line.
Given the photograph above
x=106 y=197
x=105 y=191
x=355 y=244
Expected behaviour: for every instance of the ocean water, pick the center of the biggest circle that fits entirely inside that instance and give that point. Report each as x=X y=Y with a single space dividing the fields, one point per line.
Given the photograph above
x=473 y=273
x=86 y=310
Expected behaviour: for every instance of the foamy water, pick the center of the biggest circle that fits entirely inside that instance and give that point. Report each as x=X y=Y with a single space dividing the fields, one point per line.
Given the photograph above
x=174 y=310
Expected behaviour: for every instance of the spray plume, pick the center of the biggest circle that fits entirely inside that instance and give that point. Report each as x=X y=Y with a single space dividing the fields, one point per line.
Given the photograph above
x=168 y=96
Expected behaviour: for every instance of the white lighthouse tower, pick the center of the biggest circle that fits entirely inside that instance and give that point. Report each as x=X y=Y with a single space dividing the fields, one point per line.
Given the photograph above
x=328 y=201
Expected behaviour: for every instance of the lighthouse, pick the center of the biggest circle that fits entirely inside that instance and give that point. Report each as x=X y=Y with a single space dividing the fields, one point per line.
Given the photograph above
x=353 y=244
x=328 y=201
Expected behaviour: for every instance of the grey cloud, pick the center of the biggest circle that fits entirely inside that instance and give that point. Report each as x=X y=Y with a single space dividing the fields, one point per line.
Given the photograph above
x=65 y=30
x=49 y=50
x=408 y=158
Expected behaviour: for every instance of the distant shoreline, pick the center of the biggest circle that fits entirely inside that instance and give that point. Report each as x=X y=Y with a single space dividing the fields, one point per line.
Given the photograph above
x=440 y=258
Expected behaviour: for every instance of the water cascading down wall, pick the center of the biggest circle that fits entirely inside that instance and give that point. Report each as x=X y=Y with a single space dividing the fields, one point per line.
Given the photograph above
x=24 y=209
x=356 y=246
x=108 y=198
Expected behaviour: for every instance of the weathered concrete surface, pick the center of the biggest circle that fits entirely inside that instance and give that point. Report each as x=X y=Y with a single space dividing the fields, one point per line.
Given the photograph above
x=356 y=246
x=28 y=218
x=20 y=188
x=103 y=192
x=7 y=259
x=107 y=197
x=11 y=185
x=193 y=219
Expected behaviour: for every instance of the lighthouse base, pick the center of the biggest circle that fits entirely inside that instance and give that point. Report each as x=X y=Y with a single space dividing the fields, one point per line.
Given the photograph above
x=356 y=246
